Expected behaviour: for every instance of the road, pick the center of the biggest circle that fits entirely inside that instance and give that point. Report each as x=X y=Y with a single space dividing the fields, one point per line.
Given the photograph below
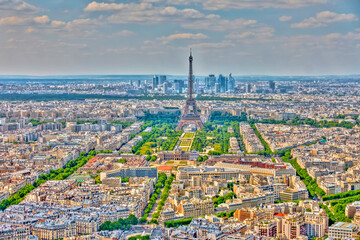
x=154 y=209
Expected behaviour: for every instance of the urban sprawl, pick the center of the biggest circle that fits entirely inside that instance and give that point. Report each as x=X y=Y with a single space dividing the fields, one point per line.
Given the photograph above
x=272 y=159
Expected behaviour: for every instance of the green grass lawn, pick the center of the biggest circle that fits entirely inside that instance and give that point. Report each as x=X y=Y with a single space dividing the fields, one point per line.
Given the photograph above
x=185 y=143
x=185 y=148
x=189 y=135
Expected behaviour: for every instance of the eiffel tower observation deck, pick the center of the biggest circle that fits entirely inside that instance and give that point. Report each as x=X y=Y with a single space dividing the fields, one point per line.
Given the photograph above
x=190 y=114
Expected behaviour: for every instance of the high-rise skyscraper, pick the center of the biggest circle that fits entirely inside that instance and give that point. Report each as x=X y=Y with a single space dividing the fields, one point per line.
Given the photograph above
x=210 y=82
x=217 y=87
x=248 y=88
x=272 y=85
x=155 y=82
x=222 y=82
x=162 y=79
x=231 y=84
x=197 y=85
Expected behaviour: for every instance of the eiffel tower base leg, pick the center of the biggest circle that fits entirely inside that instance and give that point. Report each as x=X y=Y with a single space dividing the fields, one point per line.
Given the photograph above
x=197 y=122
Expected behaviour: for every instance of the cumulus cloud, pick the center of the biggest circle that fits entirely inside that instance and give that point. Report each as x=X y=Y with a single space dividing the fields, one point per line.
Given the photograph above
x=124 y=33
x=42 y=19
x=14 y=20
x=323 y=18
x=146 y=13
x=24 y=6
x=214 y=22
x=56 y=23
x=101 y=7
x=155 y=15
x=263 y=34
x=143 y=12
x=187 y=36
x=285 y=18
x=309 y=43
x=222 y=44
x=258 y=4
x=12 y=6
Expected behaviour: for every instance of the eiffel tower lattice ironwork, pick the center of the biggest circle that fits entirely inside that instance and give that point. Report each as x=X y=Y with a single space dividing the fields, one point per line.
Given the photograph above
x=190 y=112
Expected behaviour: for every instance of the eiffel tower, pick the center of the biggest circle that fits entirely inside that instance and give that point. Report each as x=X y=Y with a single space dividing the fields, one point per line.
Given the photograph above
x=190 y=112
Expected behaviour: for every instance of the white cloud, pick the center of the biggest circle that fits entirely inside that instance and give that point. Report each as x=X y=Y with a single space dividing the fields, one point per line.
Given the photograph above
x=30 y=30
x=154 y=15
x=323 y=18
x=103 y=7
x=332 y=41
x=56 y=23
x=42 y=19
x=143 y=12
x=222 y=44
x=124 y=33
x=14 y=20
x=81 y=23
x=214 y=22
x=120 y=50
x=24 y=6
x=285 y=18
x=258 y=4
x=72 y=45
x=187 y=36
x=13 y=40
x=262 y=34
x=12 y=6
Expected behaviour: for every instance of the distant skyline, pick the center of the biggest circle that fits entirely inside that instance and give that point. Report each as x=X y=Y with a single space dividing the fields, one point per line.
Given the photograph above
x=242 y=37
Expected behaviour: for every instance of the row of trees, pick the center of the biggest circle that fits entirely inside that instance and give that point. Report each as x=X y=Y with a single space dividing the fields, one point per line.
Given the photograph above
x=308 y=121
x=158 y=186
x=310 y=183
x=163 y=197
x=181 y=222
x=339 y=206
x=341 y=195
x=59 y=174
x=262 y=140
x=226 y=214
x=215 y=98
x=139 y=237
x=122 y=224
x=159 y=119
x=178 y=223
x=35 y=122
x=222 y=118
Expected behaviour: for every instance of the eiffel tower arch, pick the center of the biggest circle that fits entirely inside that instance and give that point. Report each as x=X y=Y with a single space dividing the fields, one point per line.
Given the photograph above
x=190 y=114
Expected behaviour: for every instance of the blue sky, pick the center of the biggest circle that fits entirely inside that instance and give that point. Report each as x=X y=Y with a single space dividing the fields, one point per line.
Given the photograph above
x=274 y=37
